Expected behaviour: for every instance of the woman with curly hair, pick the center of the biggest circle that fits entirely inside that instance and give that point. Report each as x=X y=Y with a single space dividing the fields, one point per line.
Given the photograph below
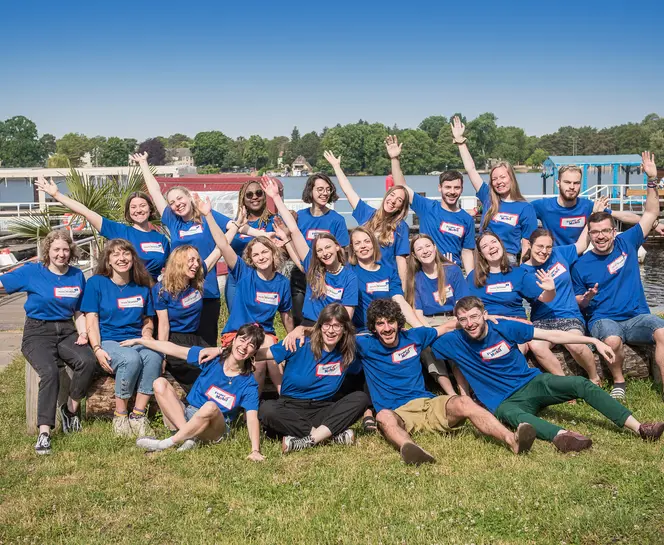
x=54 y=289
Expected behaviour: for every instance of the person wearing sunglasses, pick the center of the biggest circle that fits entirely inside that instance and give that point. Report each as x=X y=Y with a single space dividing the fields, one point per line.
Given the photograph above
x=608 y=288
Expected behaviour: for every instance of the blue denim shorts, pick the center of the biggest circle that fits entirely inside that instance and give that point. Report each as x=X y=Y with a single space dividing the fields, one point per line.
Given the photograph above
x=637 y=330
x=190 y=411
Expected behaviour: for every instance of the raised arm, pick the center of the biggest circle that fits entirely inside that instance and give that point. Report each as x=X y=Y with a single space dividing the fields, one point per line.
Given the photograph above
x=346 y=187
x=165 y=347
x=49 y=187
x=150 y=181
x=394 y=151
x=583 y=241
x=408 y=312
x=651 y=212
x=460 y=140
x=205 y=208
x=468 y=260
x=546 y=282
x=283 y=233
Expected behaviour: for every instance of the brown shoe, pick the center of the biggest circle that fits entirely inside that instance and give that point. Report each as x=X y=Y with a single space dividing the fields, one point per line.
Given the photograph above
x=525 y=436
x=413 y=454
x=570 y=441
x=651 y=431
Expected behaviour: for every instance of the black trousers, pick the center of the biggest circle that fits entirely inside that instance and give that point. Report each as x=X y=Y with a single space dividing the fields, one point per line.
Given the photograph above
x=182 y=371
x=46 y=343
x=298 y=287
x=208 y=329
x=296 y=417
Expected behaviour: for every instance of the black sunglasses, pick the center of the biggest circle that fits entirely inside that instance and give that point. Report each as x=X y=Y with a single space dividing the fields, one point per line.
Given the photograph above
x=250 y=194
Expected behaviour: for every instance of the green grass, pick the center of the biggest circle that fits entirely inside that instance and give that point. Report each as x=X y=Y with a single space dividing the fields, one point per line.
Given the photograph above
x=95 y=488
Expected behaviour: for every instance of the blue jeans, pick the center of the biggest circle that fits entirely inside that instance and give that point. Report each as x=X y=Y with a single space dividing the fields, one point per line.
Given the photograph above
x=637 y=330
x=133 y=365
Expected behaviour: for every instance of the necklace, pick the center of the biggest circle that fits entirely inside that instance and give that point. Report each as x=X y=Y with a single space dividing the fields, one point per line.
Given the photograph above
x=338 y=269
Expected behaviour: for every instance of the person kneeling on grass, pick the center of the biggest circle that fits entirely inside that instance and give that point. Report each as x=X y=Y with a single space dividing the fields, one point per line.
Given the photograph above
x=226 y=385
x=488 y=356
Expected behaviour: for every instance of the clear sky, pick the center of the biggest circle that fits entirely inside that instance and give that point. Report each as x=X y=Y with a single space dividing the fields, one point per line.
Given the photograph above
x=142 y=69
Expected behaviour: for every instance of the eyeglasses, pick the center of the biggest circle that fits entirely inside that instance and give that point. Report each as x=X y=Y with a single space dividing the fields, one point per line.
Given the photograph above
x=250 y=194
x=605 y=232
x=323 y=189
x=335 y=328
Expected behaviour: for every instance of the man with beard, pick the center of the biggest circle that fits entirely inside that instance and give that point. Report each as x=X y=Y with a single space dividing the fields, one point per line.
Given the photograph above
x=608 y=288
x=489 y=357
x=566 y=215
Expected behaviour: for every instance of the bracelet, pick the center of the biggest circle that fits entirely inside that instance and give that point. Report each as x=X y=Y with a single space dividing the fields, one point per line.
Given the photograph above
x=96 y=349
x=460 y=143
x=652 y=185
x=255 y=450
x=289 y=240
x=237 y=225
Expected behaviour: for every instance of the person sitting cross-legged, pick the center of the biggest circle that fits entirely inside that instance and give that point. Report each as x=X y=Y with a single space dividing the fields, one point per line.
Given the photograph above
x=488 y=355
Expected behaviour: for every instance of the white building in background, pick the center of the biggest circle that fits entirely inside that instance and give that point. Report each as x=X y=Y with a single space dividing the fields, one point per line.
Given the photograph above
x=180 y=157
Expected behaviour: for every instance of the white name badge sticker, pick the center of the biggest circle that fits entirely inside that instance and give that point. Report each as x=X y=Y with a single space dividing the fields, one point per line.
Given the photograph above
x=222 y=397
x=452 y=229
x=501 y=287
x=313 y=233
x=193 y=230
x=574 y=221
x=267 y=298
x=156 y=247
x=378 y=286
x=617 y=264
x=496 y=351
x=191 y=299
x=449 y=294
x=557 y=270
x=332 y=369
x=334 y=293
x=68 y=292
x=405 y=353
x=509 y=219
x=131 y=302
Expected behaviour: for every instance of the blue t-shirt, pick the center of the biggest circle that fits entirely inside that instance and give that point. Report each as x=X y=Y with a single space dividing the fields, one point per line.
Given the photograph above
x=305 y=377
x=401 y=245
x=394 y=374
x=340 y=288
x=152 y=247
x=503 y=293
x=330 y=222
x=566 y=224
x=451 y=231
x=199 y=236
x=240 y=241
x=620 y=294
x=426 y=291
x=383 y=283
x=493 y=366
x=51 y=296
x=564 y=305
x=257 y=300
x=184 y=309
x=513 y=222
x=121 y=309
x=229 y=393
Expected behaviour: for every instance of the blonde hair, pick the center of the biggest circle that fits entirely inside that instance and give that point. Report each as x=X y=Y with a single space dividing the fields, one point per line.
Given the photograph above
x=481 y=263
x=59 y=234
x=196 y=216
x=175 y=279
x=385 y=224
x=277 y=256
x=569 y=168
x=316 y=273
x=414 y=266
x=515 y=192
x=352 y=256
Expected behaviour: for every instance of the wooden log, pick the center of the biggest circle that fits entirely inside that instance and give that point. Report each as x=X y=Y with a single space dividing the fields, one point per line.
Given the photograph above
x=32 y=394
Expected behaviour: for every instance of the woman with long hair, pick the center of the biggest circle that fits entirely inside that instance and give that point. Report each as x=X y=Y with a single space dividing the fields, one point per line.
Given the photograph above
x=328 y=279
x=505 y=211
x=318 y=219
x=118 y=306
x=387 y=223
x=151 y=246
x=562 y=313
x=54 y=289
x=224 y=387
x=311 y=408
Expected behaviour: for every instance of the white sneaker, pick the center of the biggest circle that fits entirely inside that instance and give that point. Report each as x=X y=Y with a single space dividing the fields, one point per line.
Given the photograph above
x=346 y=437
x=140 y=427
x=149 y=443
x=187 y=445
x=121 y=426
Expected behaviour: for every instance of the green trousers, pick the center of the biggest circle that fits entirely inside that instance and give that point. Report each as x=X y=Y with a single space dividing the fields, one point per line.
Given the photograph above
x=545 y=390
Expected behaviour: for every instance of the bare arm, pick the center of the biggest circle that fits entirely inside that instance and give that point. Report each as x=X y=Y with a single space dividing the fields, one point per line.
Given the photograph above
x=147 y=331
x=394 y=151
x=163 y=326
x=651 y=212
x=448 y=326
x=254 y=429
x=402 y=268
x=458 y=129
x=408 y=312
x=50 y=188
x=582 y=242
x=569 y=337
x=468 y=260
x=230 y=257
x=288 y=322
x=165 y=347
x=584 y=300
x=548 y=286
x=94 y=337
x=150 y=181
x=346 y=187
x=79 y=321
x=350 y=310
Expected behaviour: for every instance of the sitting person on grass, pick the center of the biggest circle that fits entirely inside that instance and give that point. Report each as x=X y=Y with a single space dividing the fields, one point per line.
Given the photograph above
x=225 y=385
x=488 y=356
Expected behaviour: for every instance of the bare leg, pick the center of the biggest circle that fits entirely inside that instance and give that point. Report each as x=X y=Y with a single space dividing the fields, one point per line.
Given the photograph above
x=659 y=351
x=267 y=366
x=141 y=401
x=260 y=370
x=121 y=405
x=320 y=434
x=169 y=402
x=392 y=428
x=446 y=384
x=462 y=383
x=207 y=424
x=73 y=405
x=616 y=367
x=542 y=351
x=276 y=374
x=585 y=358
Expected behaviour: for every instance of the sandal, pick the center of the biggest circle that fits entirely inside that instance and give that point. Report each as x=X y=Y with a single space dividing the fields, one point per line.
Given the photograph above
x=369 y=424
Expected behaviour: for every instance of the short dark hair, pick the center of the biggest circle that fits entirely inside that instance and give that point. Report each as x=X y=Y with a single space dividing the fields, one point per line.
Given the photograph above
x=256 y=336
x=450 y=175
x=307 y=192
x=384 y=308
x=467 y=303
x=596 y=217
x=146 y=198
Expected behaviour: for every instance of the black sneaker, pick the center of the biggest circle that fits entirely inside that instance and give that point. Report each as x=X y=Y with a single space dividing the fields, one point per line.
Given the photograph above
x=70 y=422
x=291 y=444
x=43 y=445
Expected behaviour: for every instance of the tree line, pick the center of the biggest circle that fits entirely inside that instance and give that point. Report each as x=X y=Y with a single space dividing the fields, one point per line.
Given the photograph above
x=427 y=148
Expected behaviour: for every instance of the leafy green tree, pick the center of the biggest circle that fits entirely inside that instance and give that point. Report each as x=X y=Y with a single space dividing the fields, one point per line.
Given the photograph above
x=293 y=148
x=58 y=160
x=115 y=152
x=418 y=153
x=657 y=147
x=275 y=146
x=255 y=152
x=235 y=157
x=310 y=147
x=433 y=124
x=177 y=140
x=155 y=149
x=481 y=133
x=74 y=146
x=537 y=158
x=96 y=144
x=511 y=145
x=48 y=144
x=210 y=148
x=19 y=145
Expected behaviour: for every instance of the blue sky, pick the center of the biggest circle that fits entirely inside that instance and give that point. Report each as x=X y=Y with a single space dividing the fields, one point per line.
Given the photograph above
x=245 y=68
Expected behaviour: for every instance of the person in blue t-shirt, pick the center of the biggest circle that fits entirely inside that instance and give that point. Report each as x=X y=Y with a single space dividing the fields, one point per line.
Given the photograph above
x=390 y=357
x=450 y=227
x=505 y=211
x=567 y=214
x=262 y=292
x=311 y=407
x=501 y=286
x=150 y=245
x=608 y=288
x=387 y=223
x=488 y=355
x=224 y=387
x=329 y=279
x=563 y=312
x=178 y=303
x=118 y=306
x=54 y=289
x=433 y=285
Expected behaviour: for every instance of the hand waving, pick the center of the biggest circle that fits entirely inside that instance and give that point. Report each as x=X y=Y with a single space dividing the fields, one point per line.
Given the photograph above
x=270 y=187
x=393 y=147
x=648 y=164
x=590 y=294
x=601 y=203
x=204 y=206
x=458 y=128
x=335 y=162
x=545 y=281
x=139 y=158
x=47 y=186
